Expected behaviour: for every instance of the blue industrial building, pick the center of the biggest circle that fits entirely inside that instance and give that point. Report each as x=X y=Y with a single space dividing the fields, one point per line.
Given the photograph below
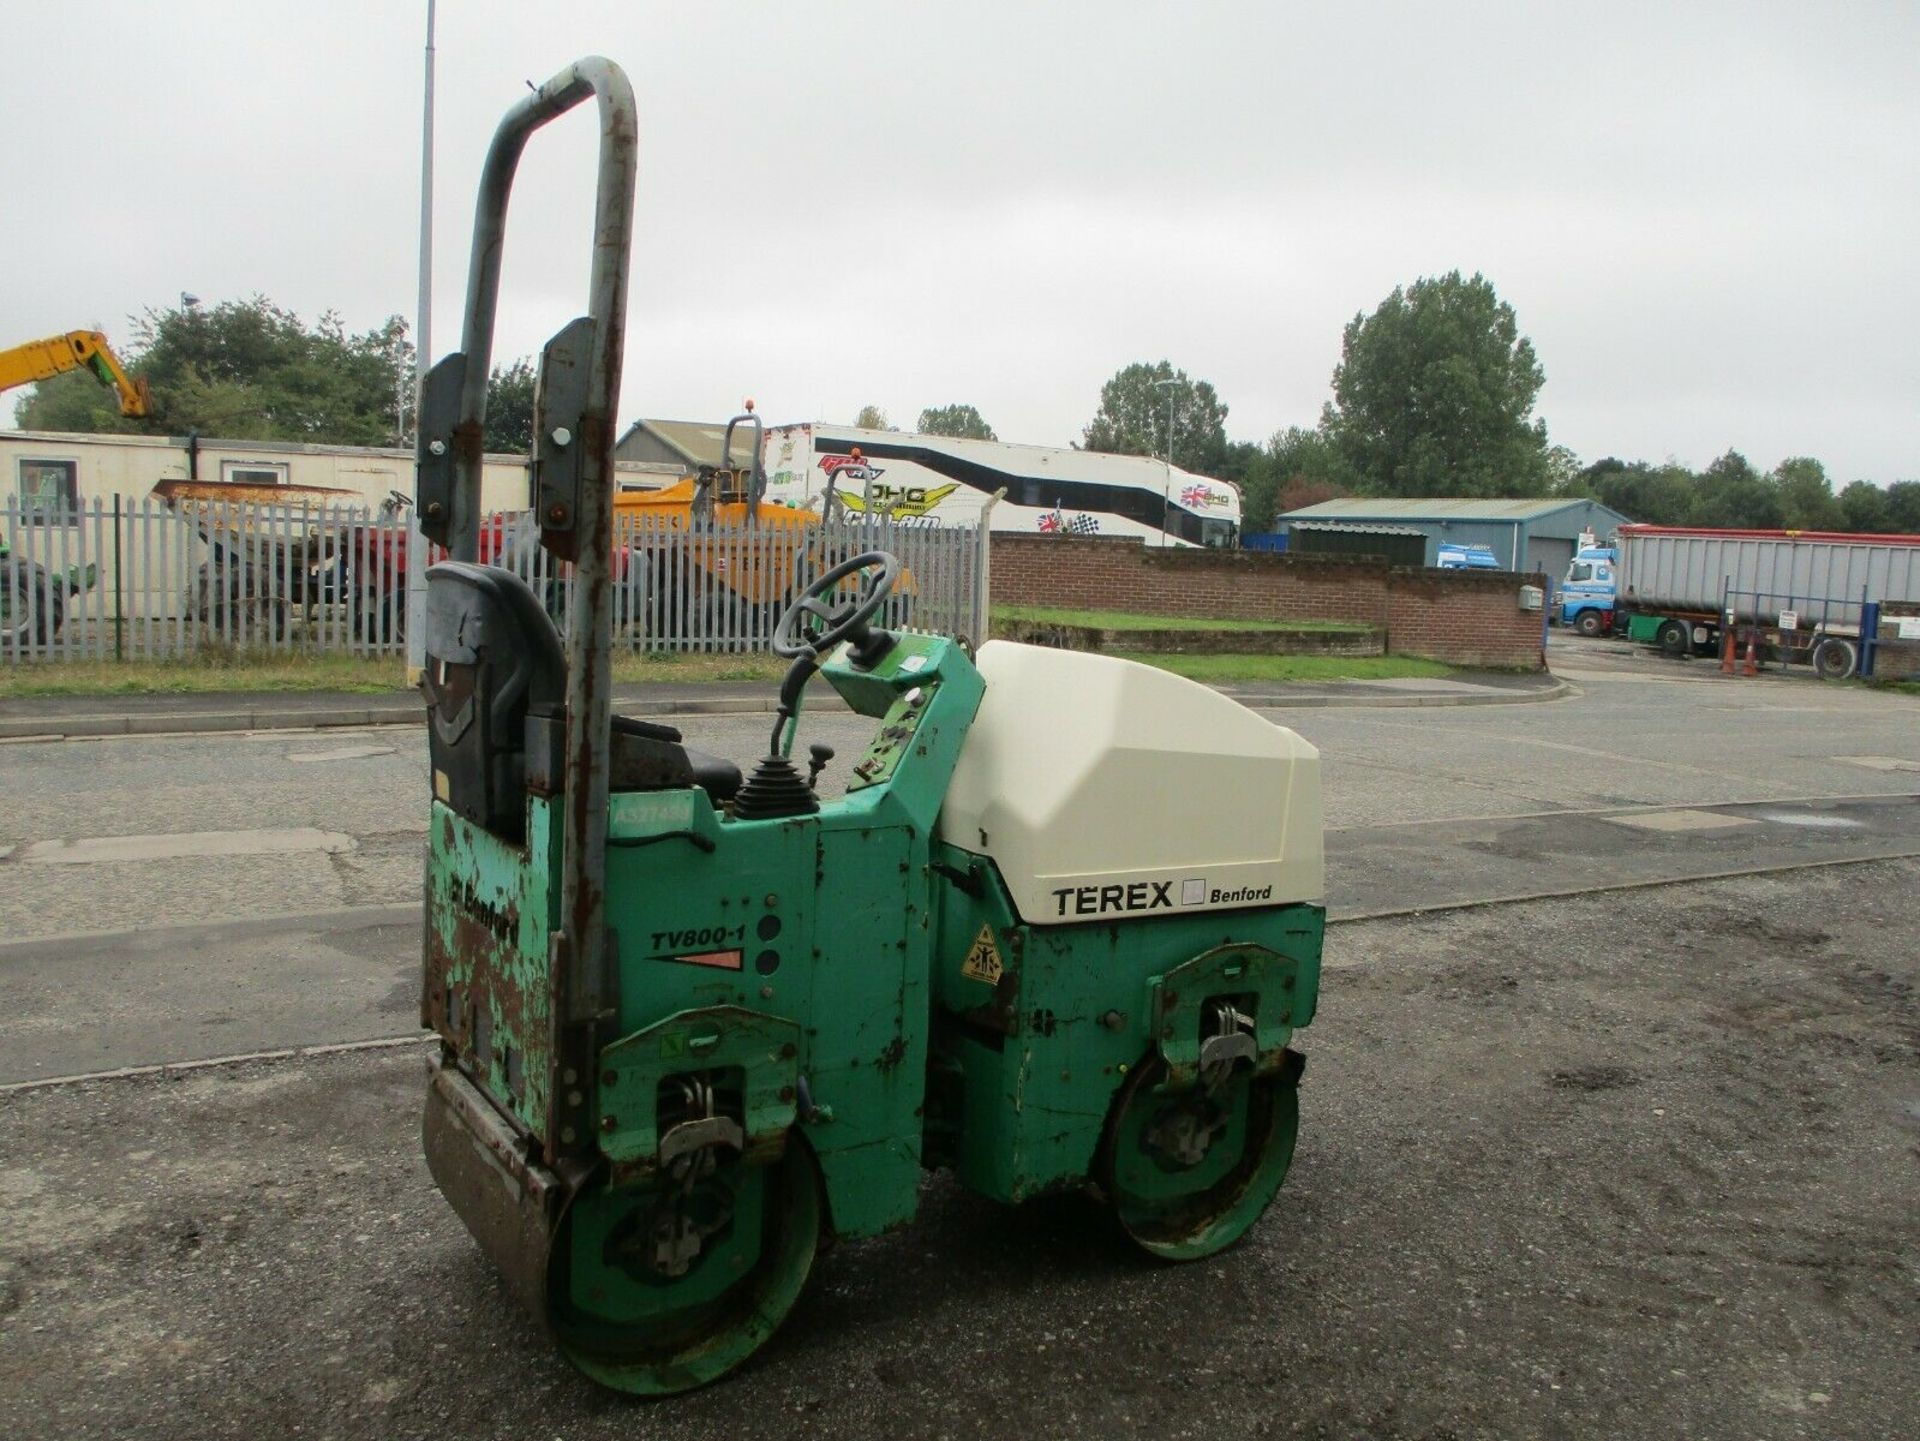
x=1524 y=535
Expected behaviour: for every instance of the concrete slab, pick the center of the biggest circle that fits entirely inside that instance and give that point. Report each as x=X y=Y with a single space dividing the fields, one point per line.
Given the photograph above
x=1680 y=821
x=339 y=753
x=95 y=850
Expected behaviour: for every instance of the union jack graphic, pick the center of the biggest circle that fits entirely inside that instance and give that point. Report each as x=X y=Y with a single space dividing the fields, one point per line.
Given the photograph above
x=1196 y=497
x=1054 y=523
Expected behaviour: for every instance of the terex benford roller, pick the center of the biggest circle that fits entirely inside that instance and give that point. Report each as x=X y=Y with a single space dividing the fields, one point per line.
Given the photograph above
x=1058 y=932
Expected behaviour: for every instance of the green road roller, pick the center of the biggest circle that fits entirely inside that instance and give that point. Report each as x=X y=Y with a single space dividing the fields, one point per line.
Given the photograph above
x=1056 y=932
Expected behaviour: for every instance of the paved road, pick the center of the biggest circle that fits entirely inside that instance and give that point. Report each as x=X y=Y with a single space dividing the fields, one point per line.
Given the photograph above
x=259 y=892
x=1638 y=1164
x=1632 y=1166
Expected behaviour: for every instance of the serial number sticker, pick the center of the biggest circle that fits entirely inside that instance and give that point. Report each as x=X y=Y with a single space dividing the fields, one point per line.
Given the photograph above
x=640 y=811
x=914 y=663
x=983 y=962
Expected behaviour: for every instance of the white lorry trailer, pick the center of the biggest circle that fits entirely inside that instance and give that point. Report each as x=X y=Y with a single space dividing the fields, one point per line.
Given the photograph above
x=1048 y=490
x=1798 y=595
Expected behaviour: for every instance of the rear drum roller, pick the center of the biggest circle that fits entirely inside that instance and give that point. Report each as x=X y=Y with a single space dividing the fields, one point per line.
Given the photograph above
x=1188 y=1172
x=663 y=1290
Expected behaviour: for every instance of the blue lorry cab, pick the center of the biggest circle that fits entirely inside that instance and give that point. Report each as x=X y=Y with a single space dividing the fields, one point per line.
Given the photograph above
x=1589 y=594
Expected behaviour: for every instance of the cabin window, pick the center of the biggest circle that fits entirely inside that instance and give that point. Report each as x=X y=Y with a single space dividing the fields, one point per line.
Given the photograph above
x=47 y=488
x=1582 y=571
x=253 y=472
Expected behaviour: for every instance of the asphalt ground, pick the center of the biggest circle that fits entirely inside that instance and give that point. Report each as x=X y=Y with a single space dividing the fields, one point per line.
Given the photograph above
x=1635 y=1163
x=163 y=995
x=1634 y=1166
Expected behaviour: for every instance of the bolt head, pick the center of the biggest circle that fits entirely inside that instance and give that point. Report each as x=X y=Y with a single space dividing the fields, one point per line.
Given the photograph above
x=436 y=447
x=561 y=436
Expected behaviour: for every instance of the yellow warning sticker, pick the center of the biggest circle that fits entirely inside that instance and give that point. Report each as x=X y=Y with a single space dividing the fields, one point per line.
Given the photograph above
x=983 y=959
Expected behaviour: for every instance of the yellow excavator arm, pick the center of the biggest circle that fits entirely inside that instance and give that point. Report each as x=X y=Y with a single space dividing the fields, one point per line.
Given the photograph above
x=76 y=350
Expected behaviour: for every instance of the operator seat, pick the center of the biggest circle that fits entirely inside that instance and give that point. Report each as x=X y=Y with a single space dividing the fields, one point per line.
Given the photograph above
x=496 y=685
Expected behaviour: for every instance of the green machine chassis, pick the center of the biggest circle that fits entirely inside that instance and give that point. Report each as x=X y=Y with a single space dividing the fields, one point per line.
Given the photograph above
x=861 y=1002
x=680 y=1048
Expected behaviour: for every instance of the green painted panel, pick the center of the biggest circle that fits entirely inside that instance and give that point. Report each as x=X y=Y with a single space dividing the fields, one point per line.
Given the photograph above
x=1035 y=1057
x=754 y=1057
x=488 y=981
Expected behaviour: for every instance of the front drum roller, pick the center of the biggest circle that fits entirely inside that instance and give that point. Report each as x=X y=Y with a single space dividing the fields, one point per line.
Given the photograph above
x=1188 y=1171
x=665 y=1289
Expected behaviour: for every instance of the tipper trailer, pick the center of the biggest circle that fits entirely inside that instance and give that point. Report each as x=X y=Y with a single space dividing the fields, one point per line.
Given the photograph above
x=1796 y=595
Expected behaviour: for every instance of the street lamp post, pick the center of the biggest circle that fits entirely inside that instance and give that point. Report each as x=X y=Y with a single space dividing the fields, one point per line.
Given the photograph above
x=1166 y=485
x=416 y=597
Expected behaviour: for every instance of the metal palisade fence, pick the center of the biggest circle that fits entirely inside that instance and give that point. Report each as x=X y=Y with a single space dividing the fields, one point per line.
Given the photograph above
x=150 y=579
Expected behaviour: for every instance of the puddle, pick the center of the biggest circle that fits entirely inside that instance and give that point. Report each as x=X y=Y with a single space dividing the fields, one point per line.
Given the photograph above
x=1813 y=821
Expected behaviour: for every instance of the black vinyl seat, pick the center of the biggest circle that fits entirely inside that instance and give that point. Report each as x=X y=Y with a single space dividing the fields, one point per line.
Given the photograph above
x=496 y=686
x=720 y=779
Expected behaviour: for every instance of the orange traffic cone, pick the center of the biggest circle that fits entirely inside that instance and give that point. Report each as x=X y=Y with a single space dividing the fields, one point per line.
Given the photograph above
x=1752 y=666
x=1726 y=652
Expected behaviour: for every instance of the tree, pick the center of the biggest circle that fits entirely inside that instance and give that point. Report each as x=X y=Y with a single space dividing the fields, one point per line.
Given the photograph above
x=246 y=370
x=1903 y=507
x=1805 y=495
x=1297 y=469
x=871 y=417
x=1132 y=418
x=1863 y=506
x=510 y=408
x=961 y=421
x=1434 y=393
x=1653 y=495
x=1731 y=493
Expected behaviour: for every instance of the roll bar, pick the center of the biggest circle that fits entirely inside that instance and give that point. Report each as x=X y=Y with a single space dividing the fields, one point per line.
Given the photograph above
x=756 y=475
x=572 y=469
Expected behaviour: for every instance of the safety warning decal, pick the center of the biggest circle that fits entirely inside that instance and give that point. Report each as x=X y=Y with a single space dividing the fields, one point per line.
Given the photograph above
x=983 y=959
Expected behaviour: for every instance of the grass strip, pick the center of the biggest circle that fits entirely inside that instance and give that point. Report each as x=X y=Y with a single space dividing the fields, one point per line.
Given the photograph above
x=215 y=671
x=1228 y=669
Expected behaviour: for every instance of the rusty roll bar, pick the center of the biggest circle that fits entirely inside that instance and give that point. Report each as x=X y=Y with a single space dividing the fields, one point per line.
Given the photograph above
x=585 y=985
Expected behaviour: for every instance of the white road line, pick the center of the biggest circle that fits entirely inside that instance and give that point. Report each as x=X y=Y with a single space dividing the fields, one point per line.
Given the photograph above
x=175 y=1068
x=1331 y=964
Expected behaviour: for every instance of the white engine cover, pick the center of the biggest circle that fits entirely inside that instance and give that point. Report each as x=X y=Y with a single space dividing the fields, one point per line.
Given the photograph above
x=1108 y=790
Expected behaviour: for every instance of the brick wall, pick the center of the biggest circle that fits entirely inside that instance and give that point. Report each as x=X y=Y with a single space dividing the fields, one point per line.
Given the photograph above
x=1470 y=618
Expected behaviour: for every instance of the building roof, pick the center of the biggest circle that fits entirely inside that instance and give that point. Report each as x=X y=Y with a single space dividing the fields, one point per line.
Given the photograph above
x=1343 y=527
x=698 y=442
x=1428 y=510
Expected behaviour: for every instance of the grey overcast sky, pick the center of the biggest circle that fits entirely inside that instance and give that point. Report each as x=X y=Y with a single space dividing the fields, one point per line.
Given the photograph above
x=1705 y=215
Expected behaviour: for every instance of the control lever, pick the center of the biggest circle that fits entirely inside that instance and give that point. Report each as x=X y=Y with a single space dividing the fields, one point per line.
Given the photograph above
x=820 y=755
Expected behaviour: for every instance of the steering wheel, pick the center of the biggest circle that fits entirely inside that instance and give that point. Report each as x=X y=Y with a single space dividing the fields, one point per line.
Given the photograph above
x=814 y=625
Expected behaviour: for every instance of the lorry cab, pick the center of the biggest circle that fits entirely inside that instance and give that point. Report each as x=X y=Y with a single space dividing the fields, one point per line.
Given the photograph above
x=1590 y=592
